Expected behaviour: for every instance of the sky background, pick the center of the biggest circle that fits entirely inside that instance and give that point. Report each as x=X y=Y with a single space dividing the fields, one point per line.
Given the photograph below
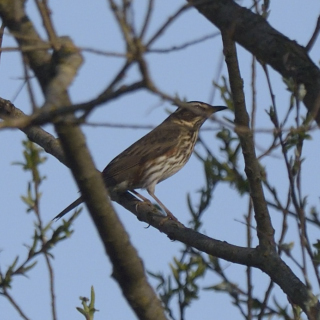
x=80 y=261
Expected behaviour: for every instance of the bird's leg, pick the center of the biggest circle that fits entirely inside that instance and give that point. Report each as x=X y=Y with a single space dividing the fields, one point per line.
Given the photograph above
x=169 y=214
x=137 y=194
x=140 y=196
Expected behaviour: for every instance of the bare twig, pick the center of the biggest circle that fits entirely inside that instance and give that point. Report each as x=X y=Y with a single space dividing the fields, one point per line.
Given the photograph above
x=147 y=19
x=314 y=35
x=170 y=20
x=15 y=305
x=1 y=36
x=184 y=45
x=48 y=25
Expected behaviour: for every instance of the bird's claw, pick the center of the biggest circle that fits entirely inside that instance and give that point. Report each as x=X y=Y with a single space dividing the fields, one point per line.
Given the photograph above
x=171 y=218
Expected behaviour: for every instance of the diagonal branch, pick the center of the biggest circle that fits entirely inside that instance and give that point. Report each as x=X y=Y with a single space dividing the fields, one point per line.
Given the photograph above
x=252 y=168
x=271 y=264
x=267 y=44
x=130 y=276
x=14 y=17
x=278 y=271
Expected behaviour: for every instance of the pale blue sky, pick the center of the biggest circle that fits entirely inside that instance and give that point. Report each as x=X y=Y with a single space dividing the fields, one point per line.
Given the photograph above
x=80 y=261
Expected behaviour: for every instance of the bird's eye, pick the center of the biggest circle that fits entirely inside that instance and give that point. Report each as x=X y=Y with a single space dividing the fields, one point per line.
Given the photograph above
x=199 y=107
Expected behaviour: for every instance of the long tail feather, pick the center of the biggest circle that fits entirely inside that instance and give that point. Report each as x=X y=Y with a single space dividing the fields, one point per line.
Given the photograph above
x=68 y=208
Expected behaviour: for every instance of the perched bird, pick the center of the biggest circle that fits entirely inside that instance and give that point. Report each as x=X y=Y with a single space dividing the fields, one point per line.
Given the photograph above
x=156 y=156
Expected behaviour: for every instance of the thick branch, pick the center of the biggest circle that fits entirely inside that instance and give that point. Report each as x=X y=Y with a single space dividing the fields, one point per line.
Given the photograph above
x=128 y=269
x=255 y=34
x=278 y=271
x=292 y=62
x=13 y=15
x=252 y=168
x=269 y=263
x=49 y=143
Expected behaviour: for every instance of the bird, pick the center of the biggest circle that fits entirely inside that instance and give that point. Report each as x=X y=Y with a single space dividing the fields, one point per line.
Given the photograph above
x=156 y=156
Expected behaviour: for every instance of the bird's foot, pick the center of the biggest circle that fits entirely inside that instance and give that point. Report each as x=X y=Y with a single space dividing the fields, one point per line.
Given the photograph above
x=145 y=202
x=145 y=210
x=171 y=217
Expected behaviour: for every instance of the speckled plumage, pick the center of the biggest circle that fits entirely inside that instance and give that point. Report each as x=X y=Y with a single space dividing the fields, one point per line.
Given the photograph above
x=157 y=155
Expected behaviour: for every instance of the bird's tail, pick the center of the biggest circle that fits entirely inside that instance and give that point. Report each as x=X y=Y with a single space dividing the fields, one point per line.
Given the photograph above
x=68 y=208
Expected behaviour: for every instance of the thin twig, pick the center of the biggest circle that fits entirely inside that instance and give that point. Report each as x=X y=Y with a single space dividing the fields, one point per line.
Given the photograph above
x=170 y=20
x=47 y=23
x=44 y=242
x=248 y=218
x=15 y=305
x=147 y=19
x=314 y=35
x=28 y=82
x=184 y=45
x=305 y=245
x=1 y=36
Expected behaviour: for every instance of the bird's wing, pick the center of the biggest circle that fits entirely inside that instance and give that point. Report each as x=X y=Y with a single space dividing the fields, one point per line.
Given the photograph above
x=155 y=144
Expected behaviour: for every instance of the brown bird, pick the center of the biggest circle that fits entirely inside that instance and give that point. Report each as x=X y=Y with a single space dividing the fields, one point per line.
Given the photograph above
x=156 y=156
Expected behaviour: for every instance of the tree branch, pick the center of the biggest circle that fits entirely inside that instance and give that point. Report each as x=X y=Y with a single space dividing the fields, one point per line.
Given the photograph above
x=252 y=168
x=271 y=47
x=278 y=271
x=65 y=62
x=269 y=263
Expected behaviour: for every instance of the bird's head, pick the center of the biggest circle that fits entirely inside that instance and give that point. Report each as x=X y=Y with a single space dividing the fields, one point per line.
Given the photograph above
x=195 y=113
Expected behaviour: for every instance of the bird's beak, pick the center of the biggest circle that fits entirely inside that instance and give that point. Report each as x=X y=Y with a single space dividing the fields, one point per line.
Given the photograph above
x=219 y=108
